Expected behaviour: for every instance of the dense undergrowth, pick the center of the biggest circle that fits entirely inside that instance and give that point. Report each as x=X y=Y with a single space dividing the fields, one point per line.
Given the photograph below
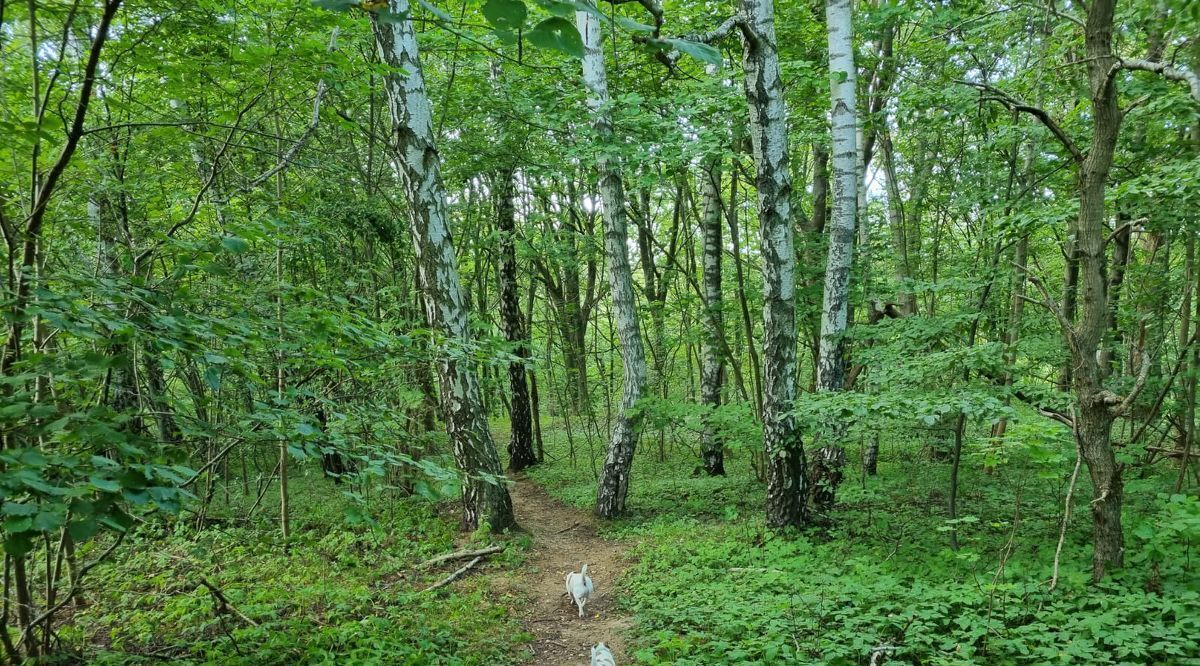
x=711 y=586
x=341 y=590
x=708 y=584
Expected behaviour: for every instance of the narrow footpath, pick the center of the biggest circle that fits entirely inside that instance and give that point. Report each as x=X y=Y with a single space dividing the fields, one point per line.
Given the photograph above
x=564 y=539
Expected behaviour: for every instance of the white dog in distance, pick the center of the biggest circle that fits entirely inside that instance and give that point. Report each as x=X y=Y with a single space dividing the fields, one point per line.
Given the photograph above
x=579 y=588
x=602 y=656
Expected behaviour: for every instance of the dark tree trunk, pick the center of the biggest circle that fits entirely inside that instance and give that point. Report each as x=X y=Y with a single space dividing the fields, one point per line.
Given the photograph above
x=520 y=446
x=712 y=368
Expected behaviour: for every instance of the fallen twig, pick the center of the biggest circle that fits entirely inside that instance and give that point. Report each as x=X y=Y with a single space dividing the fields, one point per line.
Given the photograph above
x=223 y=602
x=461 y=555
x=568 y=529
x=450 y=579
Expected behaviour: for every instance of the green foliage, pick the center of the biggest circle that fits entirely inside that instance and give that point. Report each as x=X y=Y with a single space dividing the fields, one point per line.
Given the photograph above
x=330 y=595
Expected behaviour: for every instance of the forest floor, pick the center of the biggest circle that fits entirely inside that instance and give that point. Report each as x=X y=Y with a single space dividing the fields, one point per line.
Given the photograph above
x=564 y=539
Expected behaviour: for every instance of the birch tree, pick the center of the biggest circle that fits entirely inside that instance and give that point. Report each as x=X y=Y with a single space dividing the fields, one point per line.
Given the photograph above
x=614 y=478
x=847 y=162
x=712 y=368
x=786 y=483
x=831 y=371
x=485 y=499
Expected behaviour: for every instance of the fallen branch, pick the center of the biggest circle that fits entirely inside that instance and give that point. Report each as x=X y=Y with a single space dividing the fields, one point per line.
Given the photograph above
x=568 y=529
x=452 y=577
x=461 y=555
x=223 y=603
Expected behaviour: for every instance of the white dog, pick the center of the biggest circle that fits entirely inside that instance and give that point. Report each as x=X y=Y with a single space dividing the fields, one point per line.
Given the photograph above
x=579 y=588
x=602 y=656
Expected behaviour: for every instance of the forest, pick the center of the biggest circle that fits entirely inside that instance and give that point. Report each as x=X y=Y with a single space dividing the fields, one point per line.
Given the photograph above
x=852 y=332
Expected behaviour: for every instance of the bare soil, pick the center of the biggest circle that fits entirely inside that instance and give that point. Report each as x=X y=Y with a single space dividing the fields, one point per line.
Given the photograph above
x=564 y=539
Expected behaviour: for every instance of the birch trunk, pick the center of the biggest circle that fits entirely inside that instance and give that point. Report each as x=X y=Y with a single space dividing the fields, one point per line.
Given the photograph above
x=712 y=369
x=485 y=498
x=769 y=140
x=520 y=445
x=831 y=369
x=848 y=162
x=614 y=478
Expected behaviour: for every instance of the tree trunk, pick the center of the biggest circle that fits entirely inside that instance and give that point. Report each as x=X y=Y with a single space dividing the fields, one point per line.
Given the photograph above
x=712 y=368
x=485 y=498
x=769 y=139
x=1095 y=415
x=520 y=446
x=831 y=362
x=899 y=229
x=614 y=478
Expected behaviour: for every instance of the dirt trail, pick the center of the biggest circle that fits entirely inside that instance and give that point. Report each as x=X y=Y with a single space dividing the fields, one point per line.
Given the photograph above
x=564 y=538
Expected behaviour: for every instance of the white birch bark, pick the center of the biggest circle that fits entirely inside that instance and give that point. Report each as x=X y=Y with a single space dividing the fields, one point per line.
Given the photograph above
x=844 y=117
x=769 y=141
x=485 y=498
x=614 y=478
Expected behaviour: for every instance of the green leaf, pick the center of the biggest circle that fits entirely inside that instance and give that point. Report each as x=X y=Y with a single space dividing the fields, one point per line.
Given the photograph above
x=558 y=34
x=103 y=484
x=633 y=26
x=82 y=530
x=48 y=521
x=18 y=543
x=22 y=524
x=436 y=12
x=235 y=244
x=336 y=5
x=505 y=14
x=698 y=50
x=19 y=509
x=117 y=519
x=212 y=377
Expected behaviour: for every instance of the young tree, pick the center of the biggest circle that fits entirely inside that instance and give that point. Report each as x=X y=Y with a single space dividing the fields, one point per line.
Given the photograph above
x=712 y=367
x=485 y=499
x=614 y=478
x=520 y=446
x=831 y=362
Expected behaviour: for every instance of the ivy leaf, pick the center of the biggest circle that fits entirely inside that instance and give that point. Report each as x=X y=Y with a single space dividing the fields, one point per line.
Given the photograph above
x=558 y=34
x=699 y=51
x=505 y=14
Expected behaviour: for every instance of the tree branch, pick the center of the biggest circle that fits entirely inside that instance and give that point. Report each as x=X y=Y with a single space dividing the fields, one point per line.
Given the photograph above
x=1037 y=112
x=1168 y=72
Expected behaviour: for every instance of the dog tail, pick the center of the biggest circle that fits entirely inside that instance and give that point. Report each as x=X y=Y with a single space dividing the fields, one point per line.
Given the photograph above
x=584 y=572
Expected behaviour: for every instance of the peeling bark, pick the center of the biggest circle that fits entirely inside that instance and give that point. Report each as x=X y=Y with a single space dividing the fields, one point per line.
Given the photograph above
x=784 y=450
x=485 y=498
x=614 y=478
